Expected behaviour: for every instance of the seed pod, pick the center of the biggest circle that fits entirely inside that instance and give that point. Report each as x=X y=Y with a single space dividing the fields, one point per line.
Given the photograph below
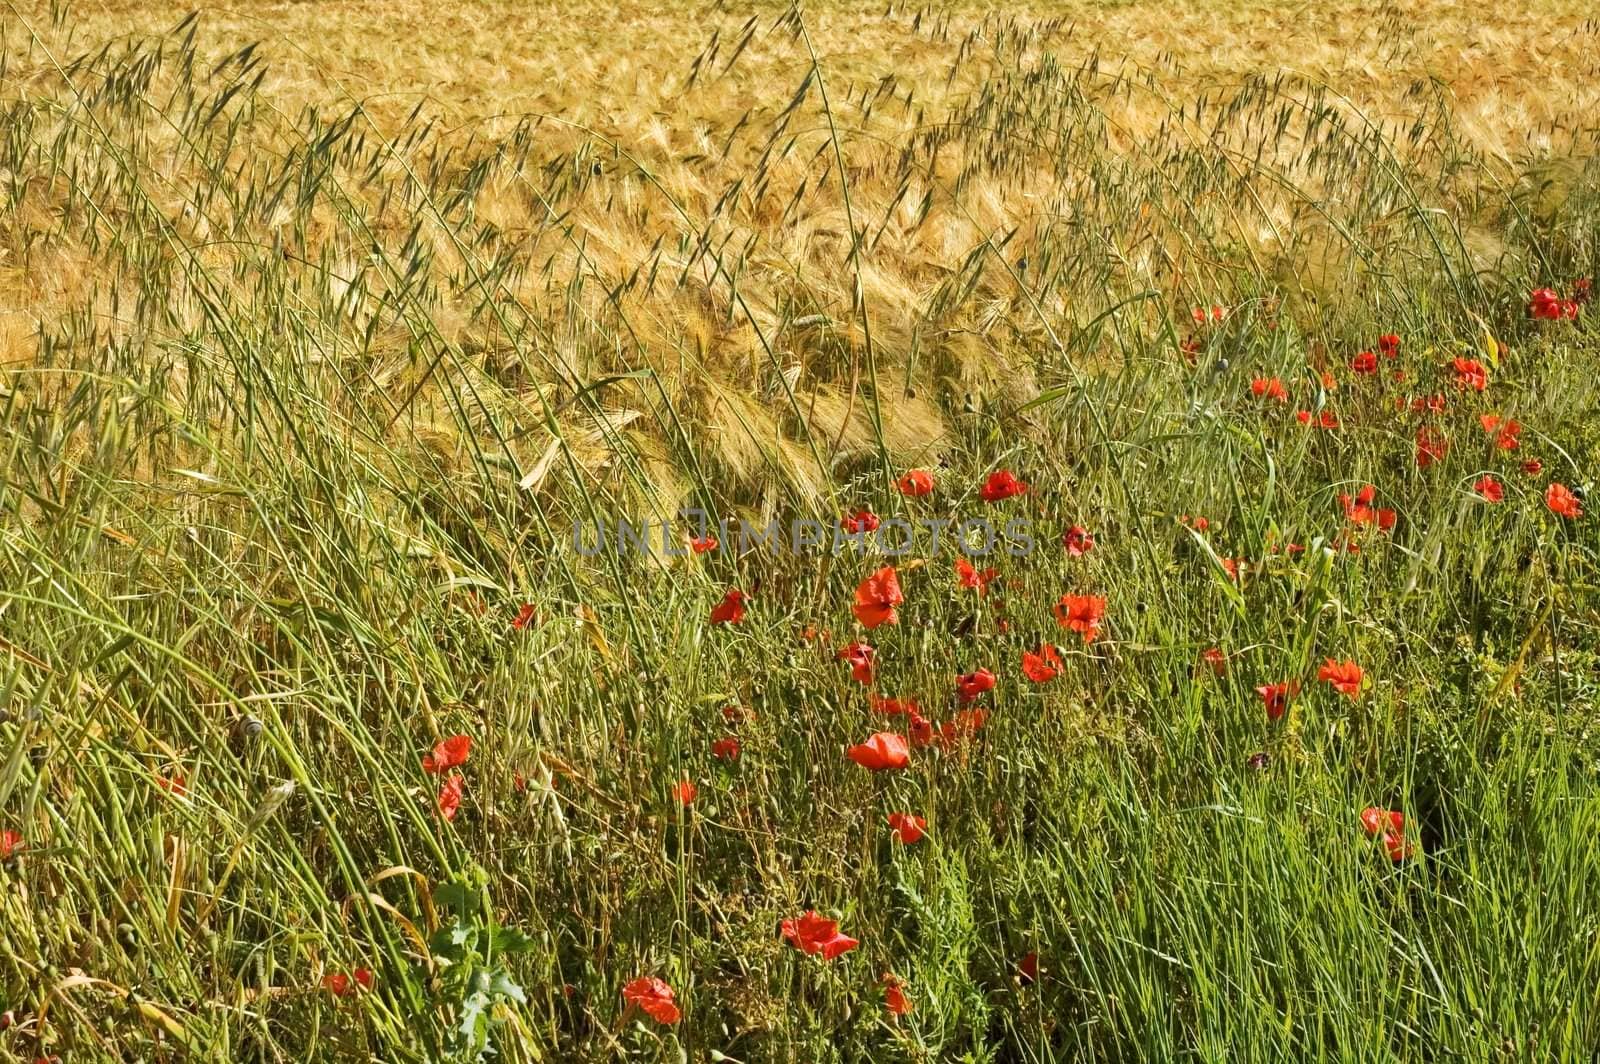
x=271 y=802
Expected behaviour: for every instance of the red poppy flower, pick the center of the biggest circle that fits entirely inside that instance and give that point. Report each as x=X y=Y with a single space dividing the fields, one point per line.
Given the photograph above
x=1216 y=659
x=916 y=482
x=1533 y=467
x=967 y=723
x=1028 y=969
x=894 y=707
x=1343 y=676
x=703 y=544
x=970 y=685
x=1544 y=303
x=654 y=998
x=1359 y=509
x=1275 y=697
x=11 y=844
x=731 y=609
x=1560 y=499
x=1082 y=614
x=860 y=656
x=1389 y=345
x=894 y=996
x=684 y=791
x=920 y=729
x=1389 y=826
x=1078 y=541
x=1470 y=374
x=734 y=713
x=448 y=754
x=1432 y=446
x=861 y=521
x=1489 y=488
x=1361 y=512
x=1364 y=363
x=726 y=748
x=1325 y=420
x=1397 y=846
x=338 y=984
x=1269 y=388
x=524 y=617
x=907 y=827
x=1043 y=665
x=1376 y=820
x=817 y=935
x=174 y=783
x=1002 y=484
x=969 y=578
x=881 y=751
x=450 y=792
x=877 y=596
x=1505 y=432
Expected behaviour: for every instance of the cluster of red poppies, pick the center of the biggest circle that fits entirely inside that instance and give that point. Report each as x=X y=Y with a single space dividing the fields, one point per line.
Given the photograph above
x=1546 y=303
x=879 y=597
x=448 y=754
x=1432 y=444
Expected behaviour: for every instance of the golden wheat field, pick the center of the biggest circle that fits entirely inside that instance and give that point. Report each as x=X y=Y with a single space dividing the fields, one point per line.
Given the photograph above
x=1059 y=531
x=655 y=142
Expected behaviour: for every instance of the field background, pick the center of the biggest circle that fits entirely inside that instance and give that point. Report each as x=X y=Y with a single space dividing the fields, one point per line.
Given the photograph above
x=321 y=324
